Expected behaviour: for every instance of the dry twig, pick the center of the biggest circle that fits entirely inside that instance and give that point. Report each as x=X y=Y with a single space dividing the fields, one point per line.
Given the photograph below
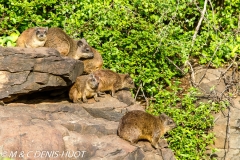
x=199 y=22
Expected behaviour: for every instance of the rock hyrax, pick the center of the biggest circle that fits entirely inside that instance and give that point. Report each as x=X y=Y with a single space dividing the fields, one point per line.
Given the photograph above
x=139 y=125
x=32 y=37
x=93 y=64
x=84 y=87
x=112 y=81
x=76 y=49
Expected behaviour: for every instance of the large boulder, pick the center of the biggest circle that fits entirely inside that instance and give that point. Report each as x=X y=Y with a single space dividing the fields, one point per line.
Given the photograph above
x=68 y=131
x=222 y=84
x=27 y=70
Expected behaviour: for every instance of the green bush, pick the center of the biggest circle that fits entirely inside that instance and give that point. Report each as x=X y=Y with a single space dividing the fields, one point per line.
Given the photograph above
x=147 y=39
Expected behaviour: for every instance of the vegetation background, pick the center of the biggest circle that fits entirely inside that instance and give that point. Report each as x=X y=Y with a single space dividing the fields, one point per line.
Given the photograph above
x=156 y=41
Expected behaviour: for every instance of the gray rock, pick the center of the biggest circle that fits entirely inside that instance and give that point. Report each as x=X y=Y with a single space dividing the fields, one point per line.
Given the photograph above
x=69 y=129
x=227 y=134
x=125 y=96
x=167 y=154
x=27 y=70
x=210 y=81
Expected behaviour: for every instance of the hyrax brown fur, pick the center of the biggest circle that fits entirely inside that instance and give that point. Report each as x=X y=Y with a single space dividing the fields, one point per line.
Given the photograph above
x=112 y=81
x=93 y=64
x=139 y=125
x=84 y=87
x=32 y=37
x=76 y=49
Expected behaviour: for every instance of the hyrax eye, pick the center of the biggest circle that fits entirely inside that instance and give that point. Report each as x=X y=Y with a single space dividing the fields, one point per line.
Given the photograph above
x=170 y=122
x=87 y=49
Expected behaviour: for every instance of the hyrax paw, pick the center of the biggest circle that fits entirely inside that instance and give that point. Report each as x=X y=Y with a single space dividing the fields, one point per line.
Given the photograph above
x=85 y=101
x=77 y=101
x=97 y=100
x=114 y=96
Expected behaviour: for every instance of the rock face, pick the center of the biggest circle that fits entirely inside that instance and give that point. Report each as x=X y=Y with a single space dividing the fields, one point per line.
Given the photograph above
x=27 y=70
x=219 y=84
x=70 y=131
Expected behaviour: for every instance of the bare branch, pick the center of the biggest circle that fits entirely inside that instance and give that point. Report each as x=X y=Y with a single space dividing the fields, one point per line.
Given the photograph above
x=147 y=102
x=192 y=74
x=175 y=65
x=138 y=90
x=199 y=22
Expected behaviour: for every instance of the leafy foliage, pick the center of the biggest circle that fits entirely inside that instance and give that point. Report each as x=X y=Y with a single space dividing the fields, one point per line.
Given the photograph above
x=9 y=41
x=148 y=39
x=194 y=119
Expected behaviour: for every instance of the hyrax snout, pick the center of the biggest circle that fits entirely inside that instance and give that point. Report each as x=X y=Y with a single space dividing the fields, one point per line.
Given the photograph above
x=76 y=49
x=84 y=87
x=33 y=37
x=112 y=81
x=138 y=125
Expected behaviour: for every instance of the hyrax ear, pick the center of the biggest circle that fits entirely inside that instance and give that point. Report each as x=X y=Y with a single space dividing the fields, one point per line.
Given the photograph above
x=163 y=117
x=126 y=76
x=81 y=42
x=36 y=28
x=46 y=28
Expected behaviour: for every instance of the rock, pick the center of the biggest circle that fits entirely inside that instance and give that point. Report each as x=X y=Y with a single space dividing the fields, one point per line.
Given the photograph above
x=217 y=84
x=167 y=154
x=210 y=81
x=163 y=143
x=19 y=136
x=220 y=154
x=27 y=70
x=66 y=130
x=108 y=108
x=125 y=96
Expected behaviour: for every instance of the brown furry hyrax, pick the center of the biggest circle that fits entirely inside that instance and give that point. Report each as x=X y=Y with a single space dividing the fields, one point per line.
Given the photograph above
x=139 y=125
x=76 y=49
x=32 y=37
x=84 y=87
x=112 y=81
x=93 y=64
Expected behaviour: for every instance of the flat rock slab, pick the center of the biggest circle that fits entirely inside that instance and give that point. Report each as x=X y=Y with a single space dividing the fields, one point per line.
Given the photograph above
x=221 y=84
x=68 y=131
x=27 y=70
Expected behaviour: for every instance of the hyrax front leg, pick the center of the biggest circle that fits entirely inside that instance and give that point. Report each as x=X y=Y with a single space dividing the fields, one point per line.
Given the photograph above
x=76 y=98
x=84 y=97
x=113 y=92
x=155 y=142
x=96 y=97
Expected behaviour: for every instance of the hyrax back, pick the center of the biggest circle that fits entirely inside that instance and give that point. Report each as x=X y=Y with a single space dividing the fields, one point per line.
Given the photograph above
x=139 y=125
x=67 y=46
x=112 y=81
x=93 y=64
x=84 y=87
x=32 y=37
